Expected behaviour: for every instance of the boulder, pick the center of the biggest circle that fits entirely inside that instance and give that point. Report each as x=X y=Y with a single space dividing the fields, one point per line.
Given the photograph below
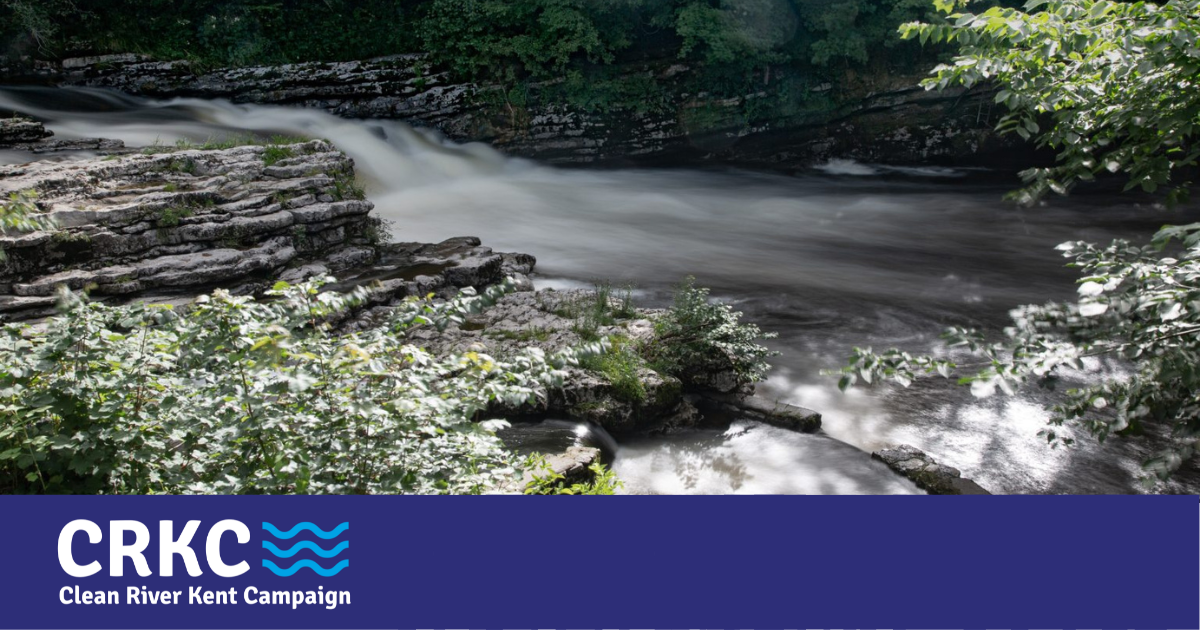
x=589 y=396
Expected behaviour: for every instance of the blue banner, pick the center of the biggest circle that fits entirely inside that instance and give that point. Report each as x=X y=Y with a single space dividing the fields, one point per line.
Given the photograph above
x=411 y=562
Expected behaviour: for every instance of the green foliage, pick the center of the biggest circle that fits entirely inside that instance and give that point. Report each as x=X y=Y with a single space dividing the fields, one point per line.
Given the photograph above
x=625 y=308
x=566 y=45
x=594 y=310
x=235 y=395
x=697 y=335
x=275 y=154
x=1116 y=85
x=172 y=215
x=620 y=366
x=604 y=89
x=31 y=22
x=546 y=481
x=181 y=165
x=216 y=32
x=379 y=230
x=21 y=214
x=237 y=140
x=511 y=39
x=346 y=187
x=1134 y=305
x=852 y=31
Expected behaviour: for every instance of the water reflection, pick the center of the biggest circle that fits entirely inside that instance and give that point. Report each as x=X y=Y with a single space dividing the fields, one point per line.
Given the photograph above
x=752 y=458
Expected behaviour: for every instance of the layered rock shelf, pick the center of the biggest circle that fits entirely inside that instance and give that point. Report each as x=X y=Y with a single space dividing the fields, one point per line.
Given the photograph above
x=882 y=118
x=168 y=226
x=23 y=134
x=183 y=221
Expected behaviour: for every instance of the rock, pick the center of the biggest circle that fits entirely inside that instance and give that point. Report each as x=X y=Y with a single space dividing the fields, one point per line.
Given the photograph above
x=573 y=464
x=544 y=320
x=21 y=131
x=191 y=220
x=933 y=477
x=771 y=412
x=399 y=86
x=878 y=117
x=24 y=134
x=588 y=396
x=715 y=372
x=183 y=220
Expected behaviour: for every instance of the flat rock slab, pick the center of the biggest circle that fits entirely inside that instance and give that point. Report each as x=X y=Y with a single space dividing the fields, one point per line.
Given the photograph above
x=574 y=464
x=765 y=410
x=933 y=477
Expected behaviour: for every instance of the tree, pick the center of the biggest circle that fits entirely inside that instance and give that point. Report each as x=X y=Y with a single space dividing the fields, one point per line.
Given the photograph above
x=1116 y=84
x=1112 y=87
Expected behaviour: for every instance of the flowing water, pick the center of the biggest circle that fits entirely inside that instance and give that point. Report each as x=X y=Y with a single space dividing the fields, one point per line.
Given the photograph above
x=845 y=255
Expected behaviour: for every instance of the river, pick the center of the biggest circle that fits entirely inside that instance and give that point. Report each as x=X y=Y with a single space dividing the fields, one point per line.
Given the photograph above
x=840 y=256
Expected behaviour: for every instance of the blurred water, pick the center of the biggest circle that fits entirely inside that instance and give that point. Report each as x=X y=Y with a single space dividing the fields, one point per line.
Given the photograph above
x=846 y=255
x=752 y=458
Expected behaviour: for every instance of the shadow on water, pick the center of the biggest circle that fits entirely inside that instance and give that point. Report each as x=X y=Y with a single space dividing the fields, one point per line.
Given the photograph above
x=846 y=255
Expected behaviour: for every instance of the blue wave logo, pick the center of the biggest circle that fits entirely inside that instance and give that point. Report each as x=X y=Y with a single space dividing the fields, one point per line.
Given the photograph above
x=305 y=545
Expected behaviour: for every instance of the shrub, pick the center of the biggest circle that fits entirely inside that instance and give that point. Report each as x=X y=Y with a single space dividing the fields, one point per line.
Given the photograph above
x=236 y=395
x=696 y=334
x=620 y=366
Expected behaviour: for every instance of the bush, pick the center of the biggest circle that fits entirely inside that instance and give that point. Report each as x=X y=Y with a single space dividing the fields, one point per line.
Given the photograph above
x=620 y=367
x=697 y=335
x=235 y=395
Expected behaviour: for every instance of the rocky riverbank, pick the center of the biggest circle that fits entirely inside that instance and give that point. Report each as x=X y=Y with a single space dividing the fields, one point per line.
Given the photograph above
x=873 y=117
x=167 y=224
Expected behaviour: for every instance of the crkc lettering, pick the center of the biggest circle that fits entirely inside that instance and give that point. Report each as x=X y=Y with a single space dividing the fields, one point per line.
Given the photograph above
x=168 y=547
